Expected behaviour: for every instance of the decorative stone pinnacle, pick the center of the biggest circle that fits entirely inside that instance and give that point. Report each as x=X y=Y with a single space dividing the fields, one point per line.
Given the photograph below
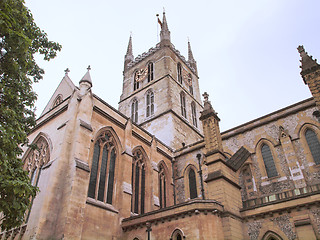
x=300 y=48
x=206 y=96
x=66 y=71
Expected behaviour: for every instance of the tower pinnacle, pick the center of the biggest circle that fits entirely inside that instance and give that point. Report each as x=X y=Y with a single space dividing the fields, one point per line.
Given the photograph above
x=164 y=33
x=307 y=63
x=191 y=60
x=129 y=55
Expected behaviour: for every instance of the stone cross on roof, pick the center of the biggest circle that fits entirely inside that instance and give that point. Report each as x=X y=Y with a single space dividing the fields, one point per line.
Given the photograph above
x=67 y=71
x=88 y=68
x=206 y=96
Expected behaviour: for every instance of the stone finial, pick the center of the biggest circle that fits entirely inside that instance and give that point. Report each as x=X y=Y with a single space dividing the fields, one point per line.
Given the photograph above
x=207 y=108
x=87 y=77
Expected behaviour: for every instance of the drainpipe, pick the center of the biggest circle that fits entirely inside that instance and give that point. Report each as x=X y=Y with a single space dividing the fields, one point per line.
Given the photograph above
x=174 y=182
x=200 y=173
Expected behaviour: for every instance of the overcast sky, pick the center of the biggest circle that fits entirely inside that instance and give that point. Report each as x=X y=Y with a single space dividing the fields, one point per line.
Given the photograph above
x=245 y=50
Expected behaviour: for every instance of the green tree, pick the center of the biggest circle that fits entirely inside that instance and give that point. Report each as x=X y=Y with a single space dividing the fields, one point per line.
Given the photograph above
x=20 y=40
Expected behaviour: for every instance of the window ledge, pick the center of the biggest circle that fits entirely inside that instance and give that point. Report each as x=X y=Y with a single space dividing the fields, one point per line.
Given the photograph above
x=102 y=205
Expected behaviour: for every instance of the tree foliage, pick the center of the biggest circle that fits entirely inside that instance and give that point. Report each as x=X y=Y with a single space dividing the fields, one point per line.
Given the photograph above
x=20 y=40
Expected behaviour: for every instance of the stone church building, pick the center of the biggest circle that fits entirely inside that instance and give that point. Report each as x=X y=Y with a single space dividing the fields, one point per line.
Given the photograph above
x=159 y=167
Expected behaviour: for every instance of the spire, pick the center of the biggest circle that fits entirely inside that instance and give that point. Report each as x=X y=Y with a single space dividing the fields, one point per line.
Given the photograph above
x=308 y=65
x=129 y=56
x=191 y=60
x=87 y=77
x=164 y=33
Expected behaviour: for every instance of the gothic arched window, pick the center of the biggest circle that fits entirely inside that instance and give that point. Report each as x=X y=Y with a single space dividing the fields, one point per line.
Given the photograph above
x=150 y=104
x=177 y=235
x=194 y=114
x=192 y=184
x=190 y=83
x=150 y=72
x=268 y=161
x=135 y=81
x=162 y=187
x=57 y=101
x=101 y=182
x=138 y=182
x=183 y=104
x=179 y=70
x=36 y=159
x=134 y=111
x=314 y=145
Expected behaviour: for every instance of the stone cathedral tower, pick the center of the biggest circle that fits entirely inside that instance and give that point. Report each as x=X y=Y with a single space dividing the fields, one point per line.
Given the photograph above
x=161 y=92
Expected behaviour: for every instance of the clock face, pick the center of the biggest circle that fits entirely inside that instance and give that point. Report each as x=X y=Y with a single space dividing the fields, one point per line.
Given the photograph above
x=187 y=78
x=141 y=74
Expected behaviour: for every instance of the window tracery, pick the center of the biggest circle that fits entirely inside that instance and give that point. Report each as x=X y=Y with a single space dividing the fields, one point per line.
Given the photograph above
x=102 y=174
x=57 y=101
x=36 y=159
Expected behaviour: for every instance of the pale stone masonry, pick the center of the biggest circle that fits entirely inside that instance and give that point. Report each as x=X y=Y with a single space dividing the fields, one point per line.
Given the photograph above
x=135 y=173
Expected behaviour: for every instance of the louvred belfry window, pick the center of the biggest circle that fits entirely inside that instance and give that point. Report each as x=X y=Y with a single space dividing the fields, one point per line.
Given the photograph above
x=150 y=72
x=194 y=114
x=190 y=83
x=179 y=70
x=183 y=104
x=102 y=174
x=150 y=104
x=268 y=161
x=138 y=182
x=314 y=145
x=134 y=111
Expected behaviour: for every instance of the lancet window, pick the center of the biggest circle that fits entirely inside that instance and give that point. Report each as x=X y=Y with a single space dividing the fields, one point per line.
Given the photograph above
x=138 y=182
x=314 y=145
x=192 y=184
x=102 y=174
x=268 y=161
x=162 y=187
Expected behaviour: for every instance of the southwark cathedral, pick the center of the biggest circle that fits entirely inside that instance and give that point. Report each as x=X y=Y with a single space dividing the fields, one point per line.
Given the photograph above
x=158 y=167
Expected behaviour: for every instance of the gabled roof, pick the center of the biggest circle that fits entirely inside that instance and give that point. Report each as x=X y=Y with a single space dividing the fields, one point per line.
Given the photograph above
x=64 y=89
x=237 y=159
